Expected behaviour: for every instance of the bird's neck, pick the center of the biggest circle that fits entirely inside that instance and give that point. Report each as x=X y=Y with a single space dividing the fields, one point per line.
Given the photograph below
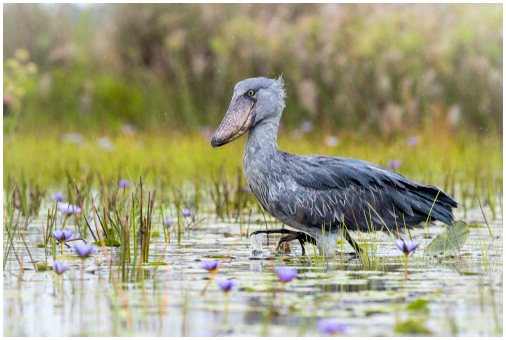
x=262 y=138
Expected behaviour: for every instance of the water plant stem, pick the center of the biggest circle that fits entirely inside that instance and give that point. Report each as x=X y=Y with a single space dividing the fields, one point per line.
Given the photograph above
x=212 y=274
x=406 y=266
x=225 y=309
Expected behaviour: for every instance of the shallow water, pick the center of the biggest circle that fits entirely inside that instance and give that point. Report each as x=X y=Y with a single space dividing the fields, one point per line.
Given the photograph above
x=463 y=292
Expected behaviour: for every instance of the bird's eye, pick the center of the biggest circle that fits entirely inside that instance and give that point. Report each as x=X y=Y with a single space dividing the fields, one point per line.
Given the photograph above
x=250 y=93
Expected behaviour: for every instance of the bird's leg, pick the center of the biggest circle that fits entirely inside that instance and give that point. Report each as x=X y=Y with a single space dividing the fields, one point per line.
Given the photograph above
x=299 y=236
x=352 y=242
x=274 y=231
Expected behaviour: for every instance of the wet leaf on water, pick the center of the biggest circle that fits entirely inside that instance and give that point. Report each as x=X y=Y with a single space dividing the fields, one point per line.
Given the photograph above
x=470 y=273
x=256 y=288
x=220 y=256
x=108 y=243
x=42 y=267
x=157 y=263
x=419 y=305
x=370 y=312
x=411 y=327
x=452 y=239
x=294 y=307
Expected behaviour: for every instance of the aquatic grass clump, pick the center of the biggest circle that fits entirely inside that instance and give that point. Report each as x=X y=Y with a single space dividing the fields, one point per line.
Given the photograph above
x=331 y=327
x=26 y=197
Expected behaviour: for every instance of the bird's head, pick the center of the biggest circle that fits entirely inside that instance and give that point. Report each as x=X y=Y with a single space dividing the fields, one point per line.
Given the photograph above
x=255 y=100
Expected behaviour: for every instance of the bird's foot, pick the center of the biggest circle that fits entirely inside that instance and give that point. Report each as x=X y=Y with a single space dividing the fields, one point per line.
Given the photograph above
x=257 y=244
x=283 y=243
x=303 y=238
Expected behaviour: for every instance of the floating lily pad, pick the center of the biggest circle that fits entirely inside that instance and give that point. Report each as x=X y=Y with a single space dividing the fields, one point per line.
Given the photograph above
x=218 y=256
x=157 y=263
x=419 y=305
x=370 y=312
x=42 y=267
x=411 y=327
x=470 y=273
x=450 y=240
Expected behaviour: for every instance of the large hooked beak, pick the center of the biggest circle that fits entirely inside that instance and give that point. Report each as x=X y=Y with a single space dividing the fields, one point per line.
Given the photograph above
x=238 y=119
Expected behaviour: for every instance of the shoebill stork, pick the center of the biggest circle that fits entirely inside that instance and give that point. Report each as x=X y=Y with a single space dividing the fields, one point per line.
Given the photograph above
x=320 y=196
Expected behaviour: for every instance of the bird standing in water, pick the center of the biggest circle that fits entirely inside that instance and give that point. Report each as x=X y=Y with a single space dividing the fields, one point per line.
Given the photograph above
x=320 y=196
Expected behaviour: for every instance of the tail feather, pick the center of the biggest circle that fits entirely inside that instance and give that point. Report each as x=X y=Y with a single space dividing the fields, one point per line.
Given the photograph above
x=432 y=202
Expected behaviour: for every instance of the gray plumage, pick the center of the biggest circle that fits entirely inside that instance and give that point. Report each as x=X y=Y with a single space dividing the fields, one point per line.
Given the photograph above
x=307 y=192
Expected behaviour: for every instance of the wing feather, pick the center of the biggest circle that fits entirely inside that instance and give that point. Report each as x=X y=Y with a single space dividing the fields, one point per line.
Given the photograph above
x=333 y=191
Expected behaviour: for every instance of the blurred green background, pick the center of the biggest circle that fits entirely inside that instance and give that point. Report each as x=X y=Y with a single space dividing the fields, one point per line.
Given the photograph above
x=380 y=69
x=114 y=91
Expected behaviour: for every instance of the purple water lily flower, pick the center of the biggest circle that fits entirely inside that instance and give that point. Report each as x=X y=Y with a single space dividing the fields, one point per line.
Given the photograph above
x=85 y=250
x=168 y=222
x=210 y=265
x=394 y=164
x=63 y=235
x=68 y=209
x=60 y=267
x=123 y=183
x=206 y=132
x=406 y=246
x=188 y=212
x=128 y=129
x=226 y=285
x=105 y=143
x=59 y=196
x=331 y=141
x=412 y=140
x=306 y=126
x=331 y=327
x=286 y=274
x=73 y=137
